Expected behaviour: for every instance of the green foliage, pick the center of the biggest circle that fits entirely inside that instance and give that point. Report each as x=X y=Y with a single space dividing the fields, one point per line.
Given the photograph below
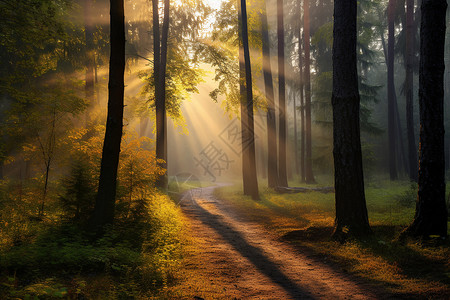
x=221 y=51
x=182 y=79
x=183 y=73
x=67 y=248
x=225 y=63
x=368 y=158
x=42 y=49
x=322 y=95
x=30 y=34
x=322 y=43
x=409 y=197
x=324 y=35
x=30 y=30
x=137 y=256
x=137 y=174
x=78 y=198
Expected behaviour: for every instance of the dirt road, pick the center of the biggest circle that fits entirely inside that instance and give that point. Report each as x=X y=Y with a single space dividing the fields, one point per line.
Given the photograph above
x=242 y=260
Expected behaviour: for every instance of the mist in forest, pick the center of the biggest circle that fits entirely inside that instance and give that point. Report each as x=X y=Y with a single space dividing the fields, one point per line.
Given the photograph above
x=198 y=121
x=201 y=149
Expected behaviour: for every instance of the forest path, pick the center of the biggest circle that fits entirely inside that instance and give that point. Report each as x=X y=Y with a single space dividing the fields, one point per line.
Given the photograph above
x=242 y=260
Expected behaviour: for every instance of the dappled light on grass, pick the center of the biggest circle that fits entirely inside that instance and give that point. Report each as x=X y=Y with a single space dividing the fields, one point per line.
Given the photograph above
x=306 y=221
x=407 y=269
x=286 y=211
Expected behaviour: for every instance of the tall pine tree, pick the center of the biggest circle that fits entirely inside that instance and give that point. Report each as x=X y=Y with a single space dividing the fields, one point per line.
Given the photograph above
x=351 y=211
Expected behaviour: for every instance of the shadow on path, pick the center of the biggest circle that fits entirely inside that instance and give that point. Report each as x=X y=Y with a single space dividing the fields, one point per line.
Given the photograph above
x=254 y=254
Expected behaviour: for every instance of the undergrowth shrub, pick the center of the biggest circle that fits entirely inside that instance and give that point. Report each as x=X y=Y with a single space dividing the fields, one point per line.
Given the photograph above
x=79 y=192
x=58 y=256
x=409 y=197
x=143 y=253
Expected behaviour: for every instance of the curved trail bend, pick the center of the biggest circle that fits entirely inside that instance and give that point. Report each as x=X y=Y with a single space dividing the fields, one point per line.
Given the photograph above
x=245 y=261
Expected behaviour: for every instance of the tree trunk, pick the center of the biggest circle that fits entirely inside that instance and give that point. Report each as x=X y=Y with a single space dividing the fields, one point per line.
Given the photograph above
x=391 y=92
x=160 y=60
x=296 y=161
x=48 y=150
x=309 y=177
x=400 y=148
x=44 y=194
x=250 y=177
x=282 y=175
x=262 y=162
x=104 y=205
x=89 y=38
x=162 y=79
x=243 y=106
x=412 y=150
x=272 y=170
x=399 y=152
x=302 y=114
x=431 y=212
x=351 y=211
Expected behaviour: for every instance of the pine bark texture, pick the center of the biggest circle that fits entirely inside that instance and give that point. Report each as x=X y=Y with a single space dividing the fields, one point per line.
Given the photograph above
x=251 y=179
x=243 y=106
x=105 y=201
x=160 y=65
x=272 y=157
x=431 y=212
x=309 y=177
x=282 y=174
x=409 y=87
x=351 y=211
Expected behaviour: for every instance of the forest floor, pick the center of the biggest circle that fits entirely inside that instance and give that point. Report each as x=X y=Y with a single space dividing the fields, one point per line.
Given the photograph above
x=235 y=258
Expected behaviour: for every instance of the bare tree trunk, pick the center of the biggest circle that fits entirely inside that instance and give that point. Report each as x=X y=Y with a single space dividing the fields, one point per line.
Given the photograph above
x=262 y=161
x=309 y=177
x=400 y=148
x=391 y=91
x=250 y=177
x=296 y=161
x=272 y=170
x=48 y=149
x=409 y=81
x=44 y=195
x=243 y=106
x=282 y=175
x=351 y=211
x=160 y=86
x=302 y=115
x=431 y=211
x=105 y=202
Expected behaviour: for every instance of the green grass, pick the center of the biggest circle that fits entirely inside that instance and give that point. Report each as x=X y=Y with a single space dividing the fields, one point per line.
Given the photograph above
x=306 y=220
